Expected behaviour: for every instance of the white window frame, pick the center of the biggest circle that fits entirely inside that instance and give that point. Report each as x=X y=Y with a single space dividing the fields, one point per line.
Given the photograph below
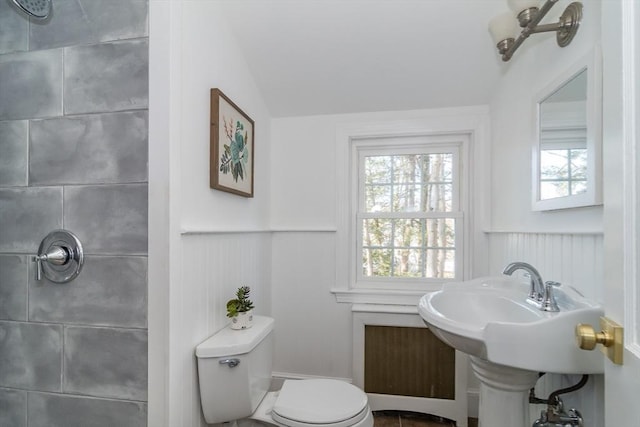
x=471 y=123
x=423 y=144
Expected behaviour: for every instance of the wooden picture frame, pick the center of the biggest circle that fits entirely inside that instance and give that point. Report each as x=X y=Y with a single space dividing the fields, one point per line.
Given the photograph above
x=231 y=147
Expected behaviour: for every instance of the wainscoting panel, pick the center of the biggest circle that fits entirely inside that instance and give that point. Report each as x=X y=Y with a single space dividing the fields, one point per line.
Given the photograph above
x=588 y=400
x=571 y=259
x=214 y=265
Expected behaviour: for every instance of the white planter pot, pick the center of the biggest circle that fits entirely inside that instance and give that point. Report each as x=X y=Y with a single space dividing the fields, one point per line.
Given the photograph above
x=243 y=320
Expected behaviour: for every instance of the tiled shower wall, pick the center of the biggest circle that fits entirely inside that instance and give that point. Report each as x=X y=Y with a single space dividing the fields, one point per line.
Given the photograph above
x=73 y=155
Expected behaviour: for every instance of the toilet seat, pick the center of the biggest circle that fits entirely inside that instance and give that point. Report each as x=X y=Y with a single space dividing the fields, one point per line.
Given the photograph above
x=320 y=403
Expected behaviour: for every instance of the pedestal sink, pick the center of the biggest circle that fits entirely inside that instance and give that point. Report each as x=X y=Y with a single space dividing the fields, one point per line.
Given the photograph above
x=509 y=340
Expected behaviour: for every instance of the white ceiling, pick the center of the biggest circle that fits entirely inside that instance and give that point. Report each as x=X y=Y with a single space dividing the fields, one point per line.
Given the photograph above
x=341 y=56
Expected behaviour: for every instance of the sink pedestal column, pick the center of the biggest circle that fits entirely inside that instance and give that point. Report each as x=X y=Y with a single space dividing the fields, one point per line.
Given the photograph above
x=504 y=394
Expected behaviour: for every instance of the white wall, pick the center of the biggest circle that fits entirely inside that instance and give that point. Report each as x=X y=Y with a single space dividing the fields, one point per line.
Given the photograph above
x=203 y=243
x=211 y=58
x=566 y=245
x=295 y=182
x=313 y=335
x=538 y=62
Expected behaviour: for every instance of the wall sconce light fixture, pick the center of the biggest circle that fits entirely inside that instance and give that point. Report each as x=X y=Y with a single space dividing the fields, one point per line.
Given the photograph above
x=529 y=14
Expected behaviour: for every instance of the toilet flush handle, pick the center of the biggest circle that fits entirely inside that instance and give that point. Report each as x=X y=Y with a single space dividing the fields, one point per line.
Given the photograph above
x=232 y=363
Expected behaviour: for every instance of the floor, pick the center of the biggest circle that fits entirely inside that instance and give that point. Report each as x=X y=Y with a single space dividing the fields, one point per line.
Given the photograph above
x=413 y=419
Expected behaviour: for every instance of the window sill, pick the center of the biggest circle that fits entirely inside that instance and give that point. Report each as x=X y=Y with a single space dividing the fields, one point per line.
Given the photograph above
x=379 y=296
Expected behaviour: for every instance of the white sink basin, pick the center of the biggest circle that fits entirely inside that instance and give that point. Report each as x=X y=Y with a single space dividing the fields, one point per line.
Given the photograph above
x=490 y=318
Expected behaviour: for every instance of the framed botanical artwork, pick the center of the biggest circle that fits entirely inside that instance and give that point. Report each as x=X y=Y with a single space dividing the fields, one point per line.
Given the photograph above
x=231 y=147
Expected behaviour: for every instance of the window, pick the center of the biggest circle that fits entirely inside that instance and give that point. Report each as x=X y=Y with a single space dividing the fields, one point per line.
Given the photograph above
x=408 y=222
x=563 y=172
x=563 y=161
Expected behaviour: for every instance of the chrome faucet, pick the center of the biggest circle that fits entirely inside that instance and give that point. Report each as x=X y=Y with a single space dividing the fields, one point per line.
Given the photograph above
x=540 y=293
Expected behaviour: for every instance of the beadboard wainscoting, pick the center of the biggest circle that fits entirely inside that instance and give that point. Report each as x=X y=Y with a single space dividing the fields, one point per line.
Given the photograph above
x=214 y=265
x=574 y=260
x=571 y=259
x=588 y=400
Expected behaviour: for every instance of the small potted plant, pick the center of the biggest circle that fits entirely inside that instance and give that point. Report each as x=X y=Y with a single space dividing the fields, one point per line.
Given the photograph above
x=240 y=309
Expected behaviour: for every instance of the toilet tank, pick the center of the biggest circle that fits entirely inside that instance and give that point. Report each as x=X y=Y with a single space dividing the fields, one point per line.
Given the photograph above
x=229 y=392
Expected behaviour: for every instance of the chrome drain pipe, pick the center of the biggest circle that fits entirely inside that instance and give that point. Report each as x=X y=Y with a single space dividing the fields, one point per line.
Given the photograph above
x=555 y=416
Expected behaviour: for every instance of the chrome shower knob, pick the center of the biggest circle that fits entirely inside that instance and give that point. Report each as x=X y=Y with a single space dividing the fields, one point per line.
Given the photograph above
x=60 y=257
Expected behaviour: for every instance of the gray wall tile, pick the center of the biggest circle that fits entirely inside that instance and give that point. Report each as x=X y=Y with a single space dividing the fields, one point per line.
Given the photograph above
x=106 y=77
x=50 y=410
x=108 y=219
x=94 y=149
x=14 y=30
x=13 y=407
x=102 y=161
x=30 y=356
x=30 y=84
x=28 y=215
x=110 y=291
x=14 y=137
x=88 y=21
x=13 y=287
x=106 y=362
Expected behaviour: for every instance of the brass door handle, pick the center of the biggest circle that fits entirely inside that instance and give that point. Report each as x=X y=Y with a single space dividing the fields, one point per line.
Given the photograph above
x=588 y=338
x=610 y=336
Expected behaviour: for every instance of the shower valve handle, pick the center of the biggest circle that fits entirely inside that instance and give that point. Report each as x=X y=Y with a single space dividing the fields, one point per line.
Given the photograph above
x=60 y=257
x=56 y=255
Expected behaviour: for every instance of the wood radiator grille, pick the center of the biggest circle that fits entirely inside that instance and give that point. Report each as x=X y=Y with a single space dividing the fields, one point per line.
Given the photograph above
x=408 y=361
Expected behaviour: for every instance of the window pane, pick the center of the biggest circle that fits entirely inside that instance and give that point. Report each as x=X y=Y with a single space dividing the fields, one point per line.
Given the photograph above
x=440 y=264
x=376 y=262
x=550 y=190
x=376 y=232
x=377 y=198
x=407 y=198
x=408 y=232
x=563 y=172
x=437 y=167
x=423 y=168
x=416 y=183
x=578 y=187
x=441 y=233
x=407 y=169
x=377 y=169
x=404 y=185
x=438 y=198
x=554 y=164
x=579 y=164
x=407 y=263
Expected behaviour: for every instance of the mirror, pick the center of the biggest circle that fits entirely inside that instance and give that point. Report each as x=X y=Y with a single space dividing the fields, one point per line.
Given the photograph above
x=567 y=151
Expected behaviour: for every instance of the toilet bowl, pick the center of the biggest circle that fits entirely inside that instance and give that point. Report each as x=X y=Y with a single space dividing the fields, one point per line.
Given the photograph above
x=234 y=372
x=315 y=402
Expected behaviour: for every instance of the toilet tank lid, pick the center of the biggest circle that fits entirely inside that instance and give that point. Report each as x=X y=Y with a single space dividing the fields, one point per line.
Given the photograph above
x=230 y=342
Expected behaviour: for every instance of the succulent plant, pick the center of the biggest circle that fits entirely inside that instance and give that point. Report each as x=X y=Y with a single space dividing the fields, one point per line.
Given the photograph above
x=241 y=303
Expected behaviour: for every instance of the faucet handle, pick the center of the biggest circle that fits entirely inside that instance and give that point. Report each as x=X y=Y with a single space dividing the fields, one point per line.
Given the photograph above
x=549 y=300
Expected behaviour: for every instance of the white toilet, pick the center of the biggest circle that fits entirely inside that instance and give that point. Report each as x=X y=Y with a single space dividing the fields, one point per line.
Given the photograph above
x=234 y=371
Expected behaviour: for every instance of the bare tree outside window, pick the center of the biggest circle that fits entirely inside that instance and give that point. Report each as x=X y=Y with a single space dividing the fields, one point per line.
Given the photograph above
x=401 y=240
x=563 y=172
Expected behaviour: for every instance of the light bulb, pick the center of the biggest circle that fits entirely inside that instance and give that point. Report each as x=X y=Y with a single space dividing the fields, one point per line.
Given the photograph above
x=503 y=26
